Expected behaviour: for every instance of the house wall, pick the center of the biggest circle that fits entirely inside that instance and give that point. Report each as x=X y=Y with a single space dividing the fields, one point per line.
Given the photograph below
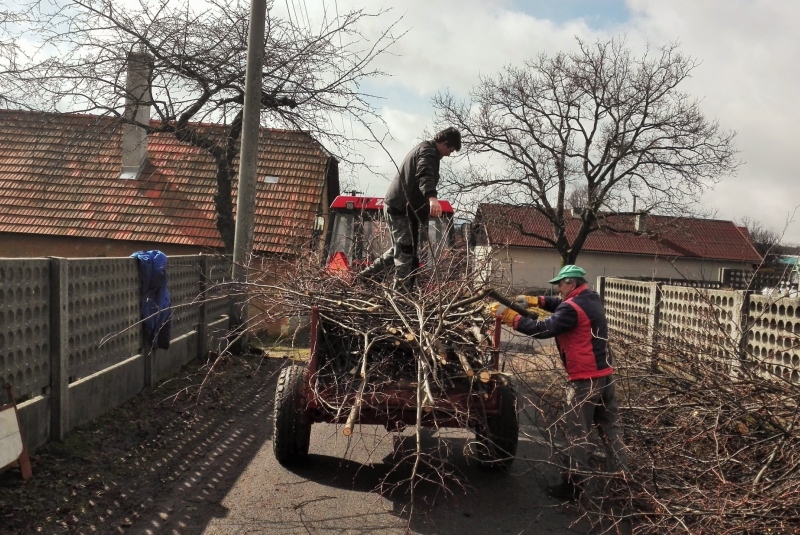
x=532 y=268
x=33 y=246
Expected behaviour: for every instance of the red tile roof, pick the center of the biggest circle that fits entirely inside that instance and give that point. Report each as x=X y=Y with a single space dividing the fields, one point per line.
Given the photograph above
x=666 y=236
x=59 y=175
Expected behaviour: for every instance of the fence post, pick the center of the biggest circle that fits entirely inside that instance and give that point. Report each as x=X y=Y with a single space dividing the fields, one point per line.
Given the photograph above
x=725 y=276
x=653 y=323
x=148 y=349
x=744 y=329
x=202 y=323
x=59 y=346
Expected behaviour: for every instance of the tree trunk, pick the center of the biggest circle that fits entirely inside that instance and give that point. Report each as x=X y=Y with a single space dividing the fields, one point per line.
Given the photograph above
x=224 y=153
x=223 y=201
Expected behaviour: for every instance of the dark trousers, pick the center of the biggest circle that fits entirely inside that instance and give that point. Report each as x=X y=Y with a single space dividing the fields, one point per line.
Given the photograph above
x=403 y=254
x=590 y=403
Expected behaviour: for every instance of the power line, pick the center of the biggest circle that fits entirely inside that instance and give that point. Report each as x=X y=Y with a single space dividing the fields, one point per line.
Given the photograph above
x=308 y=19
x=297 y=19
x=289 y=13
x=341 y=46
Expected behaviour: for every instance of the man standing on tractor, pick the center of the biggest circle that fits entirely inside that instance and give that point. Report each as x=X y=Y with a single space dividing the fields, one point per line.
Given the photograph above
x=579 y=326
x=410 y=200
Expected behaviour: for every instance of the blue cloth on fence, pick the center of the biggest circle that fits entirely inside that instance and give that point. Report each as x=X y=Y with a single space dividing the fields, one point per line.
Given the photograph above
x=156 y=303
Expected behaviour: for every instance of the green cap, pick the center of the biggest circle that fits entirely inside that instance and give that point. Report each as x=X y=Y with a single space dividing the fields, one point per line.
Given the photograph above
x=568 y=271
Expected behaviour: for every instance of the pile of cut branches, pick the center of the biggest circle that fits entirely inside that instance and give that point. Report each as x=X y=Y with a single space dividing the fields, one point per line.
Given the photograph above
x=715 y=445
x=440 y=326
x=434 y=340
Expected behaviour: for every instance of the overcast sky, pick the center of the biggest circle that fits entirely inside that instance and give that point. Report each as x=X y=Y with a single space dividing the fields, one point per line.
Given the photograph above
x=747 y=48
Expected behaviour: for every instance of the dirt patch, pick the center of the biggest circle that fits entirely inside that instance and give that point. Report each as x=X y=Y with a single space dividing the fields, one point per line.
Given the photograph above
x=106 y=475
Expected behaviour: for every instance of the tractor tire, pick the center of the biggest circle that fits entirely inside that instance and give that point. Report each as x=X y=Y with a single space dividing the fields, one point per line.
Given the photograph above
x=292 y=425
x=497 y=442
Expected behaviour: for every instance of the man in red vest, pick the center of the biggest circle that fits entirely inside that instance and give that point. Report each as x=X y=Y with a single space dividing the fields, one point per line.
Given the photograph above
x=579 y=326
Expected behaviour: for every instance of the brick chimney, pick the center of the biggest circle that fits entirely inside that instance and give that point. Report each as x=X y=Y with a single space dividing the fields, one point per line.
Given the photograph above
x=137 y=108
x=640 y=222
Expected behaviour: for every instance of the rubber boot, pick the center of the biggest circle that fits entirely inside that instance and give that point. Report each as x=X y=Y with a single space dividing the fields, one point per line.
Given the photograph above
x=404 y=281
x=565 y=490
x=370 y=272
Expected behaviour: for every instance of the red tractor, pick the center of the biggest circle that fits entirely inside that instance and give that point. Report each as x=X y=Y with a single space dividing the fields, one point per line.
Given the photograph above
x=472 y=393
x=358 y=233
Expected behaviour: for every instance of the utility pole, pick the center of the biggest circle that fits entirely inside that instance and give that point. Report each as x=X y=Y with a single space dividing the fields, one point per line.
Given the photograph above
x=248 y=162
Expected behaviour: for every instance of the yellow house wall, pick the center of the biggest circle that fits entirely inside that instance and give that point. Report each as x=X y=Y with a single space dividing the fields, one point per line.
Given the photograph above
x=524 y=268
x=37 y=246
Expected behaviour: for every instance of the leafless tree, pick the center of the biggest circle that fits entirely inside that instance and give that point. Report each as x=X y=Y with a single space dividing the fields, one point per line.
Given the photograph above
x=763 y=238
x=9 y=54
x=577 y=198
x=311 y=75
x=598 y=119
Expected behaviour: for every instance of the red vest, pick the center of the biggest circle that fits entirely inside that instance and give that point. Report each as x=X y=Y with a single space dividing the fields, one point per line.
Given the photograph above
x=580 y=347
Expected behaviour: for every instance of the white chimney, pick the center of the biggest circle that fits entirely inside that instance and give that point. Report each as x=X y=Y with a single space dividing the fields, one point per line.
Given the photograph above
x=640 y=222
x=137 y=108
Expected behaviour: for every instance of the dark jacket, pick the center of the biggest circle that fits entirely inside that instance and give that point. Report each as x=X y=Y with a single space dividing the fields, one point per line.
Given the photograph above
x=415 y=182
x=579 y=326
x=156 y=303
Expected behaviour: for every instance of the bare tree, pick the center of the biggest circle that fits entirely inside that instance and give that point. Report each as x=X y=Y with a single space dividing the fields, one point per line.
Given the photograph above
x=9 y=54
x=577 y=198
x=597 y=119
x=764 y=239
x=311 y=75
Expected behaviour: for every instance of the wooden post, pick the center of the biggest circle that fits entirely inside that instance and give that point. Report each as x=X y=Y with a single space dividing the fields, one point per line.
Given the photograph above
x=149 y=356
x=744 y=327
x=148 y=348
x=653 y=321
x=313 y=359
x=601 y=288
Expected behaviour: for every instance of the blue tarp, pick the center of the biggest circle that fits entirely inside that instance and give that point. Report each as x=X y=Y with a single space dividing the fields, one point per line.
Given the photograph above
x=155 y=300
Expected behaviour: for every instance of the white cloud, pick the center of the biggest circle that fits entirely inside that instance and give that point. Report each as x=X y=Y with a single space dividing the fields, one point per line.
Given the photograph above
x=406 y=129
x=747 y=80
x=746 y=77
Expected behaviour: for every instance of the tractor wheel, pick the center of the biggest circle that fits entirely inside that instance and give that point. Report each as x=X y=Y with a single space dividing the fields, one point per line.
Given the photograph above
x=497 y=442
x=292 y=431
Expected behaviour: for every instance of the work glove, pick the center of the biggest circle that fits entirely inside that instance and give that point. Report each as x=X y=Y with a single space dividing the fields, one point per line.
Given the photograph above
x=527 y=301
x=505 y=314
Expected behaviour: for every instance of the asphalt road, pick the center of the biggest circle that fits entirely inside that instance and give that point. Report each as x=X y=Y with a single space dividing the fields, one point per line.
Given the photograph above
x=347 y=486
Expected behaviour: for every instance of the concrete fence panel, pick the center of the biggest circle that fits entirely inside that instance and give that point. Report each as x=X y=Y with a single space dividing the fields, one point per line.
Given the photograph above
x=102 y=313
x=219 y=271
x=630 y=309
x=184 y=287
x=25 y=325
x=71 y=341
x=702 y=321
x=773 y=335
x=728 y=327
